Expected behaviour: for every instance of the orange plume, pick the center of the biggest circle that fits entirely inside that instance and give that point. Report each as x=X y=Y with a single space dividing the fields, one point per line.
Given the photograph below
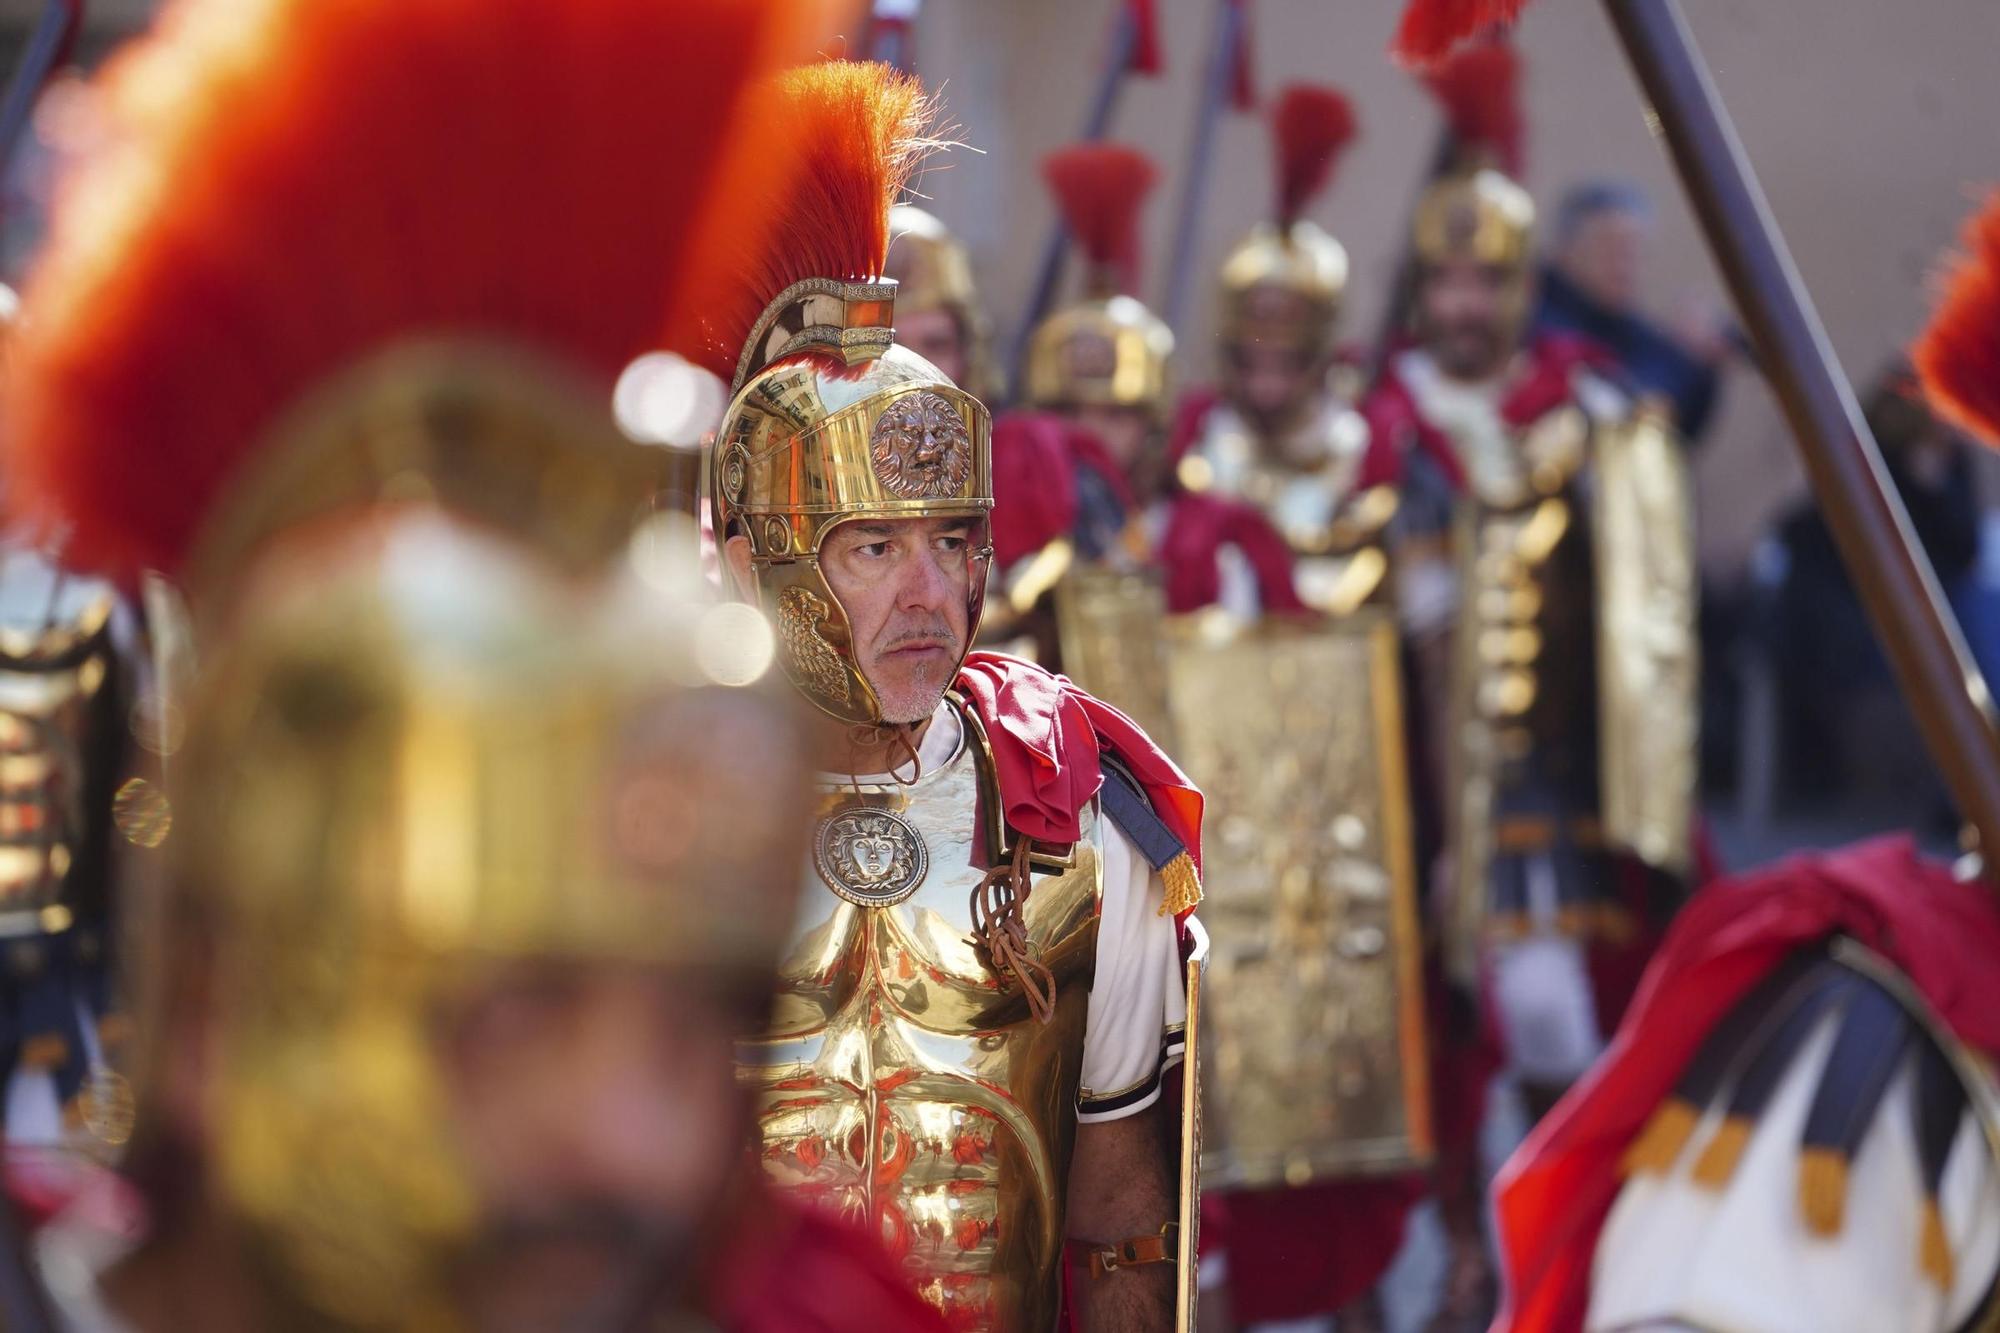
x=1100 y=188
x=1958 y=354
x=1311 y=127
x=1480 y=91
x=286 y=186
x=859 y=130
x=1431 y=29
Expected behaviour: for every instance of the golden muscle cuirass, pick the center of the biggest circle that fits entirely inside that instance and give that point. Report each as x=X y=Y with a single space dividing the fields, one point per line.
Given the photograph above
x=61 y=721
x=905 y=1083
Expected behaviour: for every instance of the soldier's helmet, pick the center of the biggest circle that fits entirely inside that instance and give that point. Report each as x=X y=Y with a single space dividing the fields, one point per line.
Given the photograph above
x=1282 y=285
x=326 y=333
x=1107 y=350
x=830 y=420
x=1476 y=208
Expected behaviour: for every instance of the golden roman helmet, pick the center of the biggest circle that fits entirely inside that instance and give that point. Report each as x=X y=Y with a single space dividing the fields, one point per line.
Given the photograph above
x=1283 y=283
x=441 y=720
x=1107 y=350
x=1482 y=216
x=1479 y=215
x=830 y=421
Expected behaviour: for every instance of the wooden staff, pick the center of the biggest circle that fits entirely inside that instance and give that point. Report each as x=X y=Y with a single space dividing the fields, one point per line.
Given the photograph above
x=1944 y=687
x=1111 y=82
x=1224 y=56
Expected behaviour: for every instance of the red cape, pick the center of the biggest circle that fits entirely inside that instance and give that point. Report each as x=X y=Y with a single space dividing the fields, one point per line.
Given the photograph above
x=1047 y=737
x=1198 y=527
x=1554 y=1194
x=1034 y=488
x=790 y=1269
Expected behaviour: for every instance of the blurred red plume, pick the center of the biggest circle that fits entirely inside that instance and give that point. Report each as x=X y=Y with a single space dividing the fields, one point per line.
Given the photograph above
x=285 y=186
x=1432 y=29
x=1958 y=354
x=1100 y=188
x=859 y=130
x=1480 y=91
x=1311 y=126
x=1145 y=57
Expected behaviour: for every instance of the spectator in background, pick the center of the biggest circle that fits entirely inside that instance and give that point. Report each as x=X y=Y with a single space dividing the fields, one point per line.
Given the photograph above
x=1836 y=682
x=1590 y=287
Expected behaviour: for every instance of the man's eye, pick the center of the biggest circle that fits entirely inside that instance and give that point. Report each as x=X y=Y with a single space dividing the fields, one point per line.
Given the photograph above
x=951 y=543
x=875 y=550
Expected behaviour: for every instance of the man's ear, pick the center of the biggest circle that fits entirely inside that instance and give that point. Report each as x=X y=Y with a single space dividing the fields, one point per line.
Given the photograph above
x=736 y=554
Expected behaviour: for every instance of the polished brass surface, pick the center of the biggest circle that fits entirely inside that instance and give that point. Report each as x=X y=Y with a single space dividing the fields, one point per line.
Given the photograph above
x=445 y=717
x=852 y=321
x=1648 y=649
x=1504 y=534
x=1479 y=215
x=1282 y=288
x=906 y=1085
x=63 y=705
x=1108 y=629
x=1313 y=1005
x=1102 y=353
x=816 y=441
x=1304 y=483
x=481 y=432
x=1573 y=657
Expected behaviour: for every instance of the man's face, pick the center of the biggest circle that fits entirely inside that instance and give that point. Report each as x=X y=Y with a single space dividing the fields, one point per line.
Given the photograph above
x=1603 y=255
x=937 y=337
x=1271 y=379
x=1468 y=312
x=906 y=586
x=598 y=1113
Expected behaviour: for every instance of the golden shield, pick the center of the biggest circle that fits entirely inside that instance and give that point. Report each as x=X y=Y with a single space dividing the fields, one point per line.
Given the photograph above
x=1313 y=1016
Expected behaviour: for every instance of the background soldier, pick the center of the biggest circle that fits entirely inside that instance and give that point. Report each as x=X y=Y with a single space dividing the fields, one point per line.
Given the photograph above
x=441 y=997
x=985 y=989
x=1282 y=431
x=1103 y=364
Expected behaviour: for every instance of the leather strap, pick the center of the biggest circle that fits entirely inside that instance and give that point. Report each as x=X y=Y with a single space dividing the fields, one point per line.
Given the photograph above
x=1162 y=1247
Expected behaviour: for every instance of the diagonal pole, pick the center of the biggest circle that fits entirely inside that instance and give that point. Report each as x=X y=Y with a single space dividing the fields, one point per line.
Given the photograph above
x=1055 y=249
x=1944 y=687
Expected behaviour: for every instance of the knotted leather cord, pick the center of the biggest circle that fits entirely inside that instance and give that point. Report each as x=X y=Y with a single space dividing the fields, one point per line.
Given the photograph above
x=998 y=929
x=898 y=734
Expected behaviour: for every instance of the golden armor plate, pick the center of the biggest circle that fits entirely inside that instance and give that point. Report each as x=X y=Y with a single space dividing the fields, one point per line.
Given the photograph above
x=1108 y=632
x=1648 y=663
x=1313 y=1013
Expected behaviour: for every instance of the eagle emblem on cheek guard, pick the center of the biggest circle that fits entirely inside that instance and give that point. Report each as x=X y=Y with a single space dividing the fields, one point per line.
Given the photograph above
x=921 y=449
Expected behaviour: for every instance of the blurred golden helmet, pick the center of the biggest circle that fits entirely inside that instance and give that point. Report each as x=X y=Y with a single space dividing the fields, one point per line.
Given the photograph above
x=453 y=710
x=1284 y=288
x=1109 y=352
x=1479 y=215
x=933 y=271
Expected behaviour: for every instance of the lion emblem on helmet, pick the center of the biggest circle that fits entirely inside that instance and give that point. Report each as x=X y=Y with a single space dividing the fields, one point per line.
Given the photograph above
x=921 y=448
